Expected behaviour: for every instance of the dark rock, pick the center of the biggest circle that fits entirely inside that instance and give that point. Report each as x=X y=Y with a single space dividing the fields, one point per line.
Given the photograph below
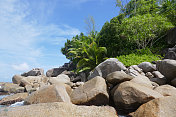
x=70 y=74
x=171 y=36
x=160 y=81
x=34 y=72
x=173 y=82
x=170 y=53
x=147 y=67
x=167 y=67
x=55 y=72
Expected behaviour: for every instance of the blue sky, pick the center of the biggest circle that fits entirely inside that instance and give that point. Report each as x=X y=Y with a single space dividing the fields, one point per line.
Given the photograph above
x=32 y=32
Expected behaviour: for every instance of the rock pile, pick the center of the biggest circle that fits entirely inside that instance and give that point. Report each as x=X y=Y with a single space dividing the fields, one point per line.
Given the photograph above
x=145 y=90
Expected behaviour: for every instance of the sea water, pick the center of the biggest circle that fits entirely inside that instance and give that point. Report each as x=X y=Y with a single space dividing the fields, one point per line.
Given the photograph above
x=2 y=96
x=12 y=105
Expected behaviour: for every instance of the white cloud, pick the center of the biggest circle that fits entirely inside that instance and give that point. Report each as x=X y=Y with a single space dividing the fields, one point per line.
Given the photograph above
x=21 y=67
x=23 y=38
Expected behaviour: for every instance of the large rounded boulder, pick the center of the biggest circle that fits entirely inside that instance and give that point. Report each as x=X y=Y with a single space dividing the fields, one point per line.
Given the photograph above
x=147 y=67
x=130 y=95
x=107 y=67
x=118 y=77
x=161 y=107
x=167 y=67
x=93 y=92
x=52 y=93
x=166 y=90
x=58 y=109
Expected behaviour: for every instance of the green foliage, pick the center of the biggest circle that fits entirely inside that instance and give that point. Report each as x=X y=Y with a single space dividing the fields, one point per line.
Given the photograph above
x=144 y=55
x=84 y=51
x=168 y=9
x=73 y=48
x=138 y=7
x=120 y=36
x=94 y=56
x=139 y=29
x=146 y=29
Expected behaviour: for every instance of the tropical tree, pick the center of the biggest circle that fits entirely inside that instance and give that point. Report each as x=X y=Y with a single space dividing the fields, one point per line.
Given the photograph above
x=84 y=51
x=146 y=30
x=94 y=56
x=168 y=9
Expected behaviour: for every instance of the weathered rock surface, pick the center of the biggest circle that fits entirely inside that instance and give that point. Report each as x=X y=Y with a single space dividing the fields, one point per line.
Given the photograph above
x=55 y=72
x=93 y=92
x=170 y=53
x=166 y=90
x=29 y=88
x=135 y=67
x=70 y=74
x=30 y=80
x=161 y=107
x=157 y=74
x=173 y=82
x=171 y=36
x=142 y=80
x=58 y=109
x=81 y=77
x=107 y=67
x=34 y=72
x=130 y=95
x=13 y=98
x=134 y=70
x=167 y=67
x=147 y=67
x=16 y=79
x=36 y=79
x=118 y=77
x=12 y=88
x=62 y=78
x=24 y=82
x=160 y=81
x=47 y=94
x=149 y=75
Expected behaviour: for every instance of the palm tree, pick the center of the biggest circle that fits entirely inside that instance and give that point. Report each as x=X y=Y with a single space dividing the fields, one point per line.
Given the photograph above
x=94 y=55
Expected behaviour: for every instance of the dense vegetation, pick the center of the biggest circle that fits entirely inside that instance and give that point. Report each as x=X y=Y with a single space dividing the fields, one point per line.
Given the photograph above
x=133 y=36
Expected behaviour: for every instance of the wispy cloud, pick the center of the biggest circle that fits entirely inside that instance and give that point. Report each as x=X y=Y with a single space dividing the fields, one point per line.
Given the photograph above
x=23 y=38
x=21 y=67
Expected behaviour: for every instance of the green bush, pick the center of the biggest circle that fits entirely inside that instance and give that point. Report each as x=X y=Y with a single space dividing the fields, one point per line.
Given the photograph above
x=143 y=55
x=138 y=32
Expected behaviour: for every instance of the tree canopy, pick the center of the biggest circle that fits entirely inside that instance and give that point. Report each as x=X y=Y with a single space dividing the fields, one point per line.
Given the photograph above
x=141 y=25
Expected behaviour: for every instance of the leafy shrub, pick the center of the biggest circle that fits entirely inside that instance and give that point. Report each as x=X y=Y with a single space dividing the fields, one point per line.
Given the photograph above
x=143 y=55
x=146 y=29
x=138 y=32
